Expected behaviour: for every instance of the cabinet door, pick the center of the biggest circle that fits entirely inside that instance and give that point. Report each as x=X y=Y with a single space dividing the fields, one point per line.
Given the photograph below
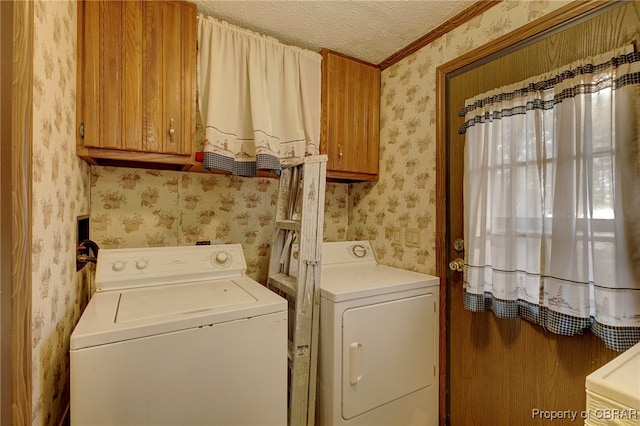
x=137 y=82
x=169 y=76
x=111 y=73
x=350 y=117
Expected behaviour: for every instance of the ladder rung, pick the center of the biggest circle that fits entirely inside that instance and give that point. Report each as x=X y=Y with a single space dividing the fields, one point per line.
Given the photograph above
x=293 y=225
x=285 y=283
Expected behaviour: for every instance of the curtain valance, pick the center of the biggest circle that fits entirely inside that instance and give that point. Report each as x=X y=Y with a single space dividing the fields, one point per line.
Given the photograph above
x=490 y=106
x=259 y=99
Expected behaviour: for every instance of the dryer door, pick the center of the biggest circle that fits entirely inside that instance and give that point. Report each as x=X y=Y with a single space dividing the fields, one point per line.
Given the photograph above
x=388 y=351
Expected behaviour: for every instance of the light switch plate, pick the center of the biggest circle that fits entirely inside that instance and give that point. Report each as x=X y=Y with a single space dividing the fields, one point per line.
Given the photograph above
x=412 y=237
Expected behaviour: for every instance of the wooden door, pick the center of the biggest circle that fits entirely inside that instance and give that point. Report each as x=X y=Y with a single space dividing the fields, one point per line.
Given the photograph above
x=16 y=179
x=500 y=371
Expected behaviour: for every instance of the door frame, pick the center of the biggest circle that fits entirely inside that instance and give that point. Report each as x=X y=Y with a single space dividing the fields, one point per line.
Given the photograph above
x=15 y=214
x=573 y=11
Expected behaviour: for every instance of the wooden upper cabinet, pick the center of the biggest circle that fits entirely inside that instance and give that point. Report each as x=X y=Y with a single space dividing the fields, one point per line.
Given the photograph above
x=350 y=128
x=137 y=83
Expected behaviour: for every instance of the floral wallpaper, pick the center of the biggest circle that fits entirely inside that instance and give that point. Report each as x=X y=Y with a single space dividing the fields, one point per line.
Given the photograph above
x=404 y=196
x=147 y=208
x=60 y=193
x=136 y=207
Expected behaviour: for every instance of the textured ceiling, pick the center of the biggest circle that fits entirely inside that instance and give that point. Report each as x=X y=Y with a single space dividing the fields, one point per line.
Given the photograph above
x=368 y=30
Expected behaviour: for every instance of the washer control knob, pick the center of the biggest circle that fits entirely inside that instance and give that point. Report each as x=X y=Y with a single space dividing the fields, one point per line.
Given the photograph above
x=141 y=264
x=118 y=265
x=221 y=258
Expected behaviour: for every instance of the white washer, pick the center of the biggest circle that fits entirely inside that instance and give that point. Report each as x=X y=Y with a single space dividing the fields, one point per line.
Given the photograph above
x=378 y=360
x=179 y=335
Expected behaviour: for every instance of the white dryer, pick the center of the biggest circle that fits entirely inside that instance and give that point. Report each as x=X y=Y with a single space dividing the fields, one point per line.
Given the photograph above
x=378 y=354
x=177 y=336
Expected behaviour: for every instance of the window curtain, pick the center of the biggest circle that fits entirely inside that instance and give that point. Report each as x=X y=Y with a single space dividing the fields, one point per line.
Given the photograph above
x=259 y=99
x=552 y=199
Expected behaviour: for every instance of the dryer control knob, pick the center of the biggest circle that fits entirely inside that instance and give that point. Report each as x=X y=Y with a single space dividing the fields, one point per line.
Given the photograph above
x=359 y=250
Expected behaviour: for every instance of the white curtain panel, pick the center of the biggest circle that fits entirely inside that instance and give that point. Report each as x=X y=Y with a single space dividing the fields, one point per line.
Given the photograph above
x=552 y=199
x=259 y=99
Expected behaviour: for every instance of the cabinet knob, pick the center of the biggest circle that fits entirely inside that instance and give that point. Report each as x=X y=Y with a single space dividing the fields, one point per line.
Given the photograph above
x=172 y=131
x=339 y=153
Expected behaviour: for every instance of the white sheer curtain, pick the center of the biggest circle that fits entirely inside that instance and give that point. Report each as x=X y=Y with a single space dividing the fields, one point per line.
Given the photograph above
x=552 y=199
x=259 y=99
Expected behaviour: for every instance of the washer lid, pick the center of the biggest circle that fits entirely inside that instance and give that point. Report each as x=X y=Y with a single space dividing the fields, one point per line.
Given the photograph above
x=158 y=302
x=347 y=281
x=116 y=316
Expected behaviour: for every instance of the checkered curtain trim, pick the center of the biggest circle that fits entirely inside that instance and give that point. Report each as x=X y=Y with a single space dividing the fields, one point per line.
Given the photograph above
x=264 y=162
x=623 y=80
x=616 y=338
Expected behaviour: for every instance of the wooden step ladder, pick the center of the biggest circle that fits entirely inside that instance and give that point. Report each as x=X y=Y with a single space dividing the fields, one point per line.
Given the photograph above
x=294 y=273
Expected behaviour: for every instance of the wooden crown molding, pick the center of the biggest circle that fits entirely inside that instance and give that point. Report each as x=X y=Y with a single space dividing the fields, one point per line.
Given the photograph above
x=471 y=12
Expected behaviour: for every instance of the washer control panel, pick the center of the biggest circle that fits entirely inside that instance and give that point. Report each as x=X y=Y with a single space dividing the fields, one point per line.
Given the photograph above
x=137 y=267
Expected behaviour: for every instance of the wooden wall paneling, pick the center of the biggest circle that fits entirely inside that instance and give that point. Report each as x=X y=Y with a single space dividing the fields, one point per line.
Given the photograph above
x=22 y=128
x=561 y=363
